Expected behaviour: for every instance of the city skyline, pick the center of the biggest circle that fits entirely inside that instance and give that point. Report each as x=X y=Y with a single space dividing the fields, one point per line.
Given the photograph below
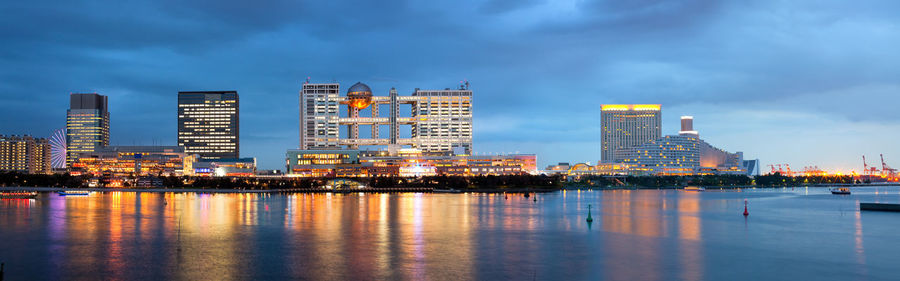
x=755 y=83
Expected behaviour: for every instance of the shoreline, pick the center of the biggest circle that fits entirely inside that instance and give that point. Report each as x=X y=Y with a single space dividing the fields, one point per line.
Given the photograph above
x=270 y=191
x=407 y=189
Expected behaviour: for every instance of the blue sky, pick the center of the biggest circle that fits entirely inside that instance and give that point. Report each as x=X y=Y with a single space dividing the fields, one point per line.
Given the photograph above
x=798 y=82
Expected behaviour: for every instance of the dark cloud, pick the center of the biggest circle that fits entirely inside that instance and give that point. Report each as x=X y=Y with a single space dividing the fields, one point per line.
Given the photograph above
x=539 y=68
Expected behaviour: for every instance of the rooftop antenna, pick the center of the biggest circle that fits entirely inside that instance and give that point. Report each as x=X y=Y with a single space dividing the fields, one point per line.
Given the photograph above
x=464 y=84
x=307 y=80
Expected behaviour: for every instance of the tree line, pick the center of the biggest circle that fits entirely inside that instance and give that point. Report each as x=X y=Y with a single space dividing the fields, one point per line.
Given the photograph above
x=443 y=182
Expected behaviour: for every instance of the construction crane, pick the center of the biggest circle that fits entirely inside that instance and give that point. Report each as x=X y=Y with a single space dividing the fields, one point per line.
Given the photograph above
x=886 y=170
x=771 y=167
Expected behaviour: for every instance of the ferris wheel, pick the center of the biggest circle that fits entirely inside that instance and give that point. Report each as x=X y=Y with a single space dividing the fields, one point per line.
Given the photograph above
x=58 y=149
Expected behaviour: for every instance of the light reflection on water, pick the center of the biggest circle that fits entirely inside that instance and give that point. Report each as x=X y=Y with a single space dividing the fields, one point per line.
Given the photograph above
x=647 y=235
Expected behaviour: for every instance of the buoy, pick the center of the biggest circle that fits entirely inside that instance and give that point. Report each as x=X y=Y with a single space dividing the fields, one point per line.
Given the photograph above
x=746 y=213
x=589 y=218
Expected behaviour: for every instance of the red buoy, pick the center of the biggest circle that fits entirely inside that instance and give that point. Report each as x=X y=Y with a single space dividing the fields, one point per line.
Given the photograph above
x=745 y=208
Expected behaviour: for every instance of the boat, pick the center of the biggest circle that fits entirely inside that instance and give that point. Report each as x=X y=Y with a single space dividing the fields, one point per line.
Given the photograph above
x=18 y=195
x=73 y=193
x=446 y=190
x=840 y=191
x=694 y=188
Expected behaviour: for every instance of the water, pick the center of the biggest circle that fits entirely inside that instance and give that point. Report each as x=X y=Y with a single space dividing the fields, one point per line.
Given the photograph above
x=791 y=234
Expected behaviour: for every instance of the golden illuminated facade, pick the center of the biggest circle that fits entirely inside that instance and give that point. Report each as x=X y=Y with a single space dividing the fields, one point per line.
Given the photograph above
x=627 y=125
x=25 y=154
x=208 y=124
x=441 y=120
x=87 y=125
x=124 y=161
x=408 y=163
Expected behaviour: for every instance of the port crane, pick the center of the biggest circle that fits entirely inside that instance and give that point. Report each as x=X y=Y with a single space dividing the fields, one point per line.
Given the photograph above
x=869 y=170
x=887 y=170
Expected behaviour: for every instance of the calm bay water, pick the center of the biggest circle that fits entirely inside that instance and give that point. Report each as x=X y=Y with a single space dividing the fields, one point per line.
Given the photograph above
x=791 y=234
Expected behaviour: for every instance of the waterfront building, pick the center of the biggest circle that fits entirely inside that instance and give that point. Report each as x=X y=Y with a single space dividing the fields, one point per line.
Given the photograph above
x=668 y=155
x=224 y=167
x=403 y=163
x=682 y=154
x=25 y=154
x=319 y=116
x=126 y=161
x=318 y=163
x=585 y=169
x=441 y=120
x=87 y=124
x=208 y=123
x=624 y=126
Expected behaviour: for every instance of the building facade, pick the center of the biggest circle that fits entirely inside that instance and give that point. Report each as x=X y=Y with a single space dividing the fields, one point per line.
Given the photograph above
x=319 y=116
x=209 y=123
x=441 y=120
x=682 y=154
x=668 y=155
x=627 y=125
x=87 y=125
x=125 y=161
x=224 y=167
x=405 y=163
x=444 y=120
x=25 y=154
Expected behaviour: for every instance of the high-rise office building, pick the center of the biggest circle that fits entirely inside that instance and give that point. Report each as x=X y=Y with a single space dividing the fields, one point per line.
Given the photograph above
x=208 y=124
x=441 y=120
x=319 y=116
x=87 y=125
x=444 y=120
x=25 y=154
x=627 y=125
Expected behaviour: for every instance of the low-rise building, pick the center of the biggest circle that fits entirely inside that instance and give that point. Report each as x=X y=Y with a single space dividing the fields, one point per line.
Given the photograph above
x=403 y=163
x=224 y=167
x=124 y=161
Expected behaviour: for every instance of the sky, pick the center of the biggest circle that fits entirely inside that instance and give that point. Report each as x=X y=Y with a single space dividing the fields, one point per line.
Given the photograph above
x=796 y=82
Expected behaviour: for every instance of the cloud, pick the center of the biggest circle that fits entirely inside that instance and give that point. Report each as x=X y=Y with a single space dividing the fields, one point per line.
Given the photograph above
x=539 y=69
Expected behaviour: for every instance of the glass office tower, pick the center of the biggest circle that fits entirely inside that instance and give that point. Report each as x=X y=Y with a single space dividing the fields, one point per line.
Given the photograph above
x=208 y=124
x=87 y=124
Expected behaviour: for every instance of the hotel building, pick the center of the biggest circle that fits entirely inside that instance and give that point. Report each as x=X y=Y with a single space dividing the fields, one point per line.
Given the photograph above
x=87 y=125
x=208 y=123
x=627 y=125
x=441 y=120
x=25 y=154
x=682 y=154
